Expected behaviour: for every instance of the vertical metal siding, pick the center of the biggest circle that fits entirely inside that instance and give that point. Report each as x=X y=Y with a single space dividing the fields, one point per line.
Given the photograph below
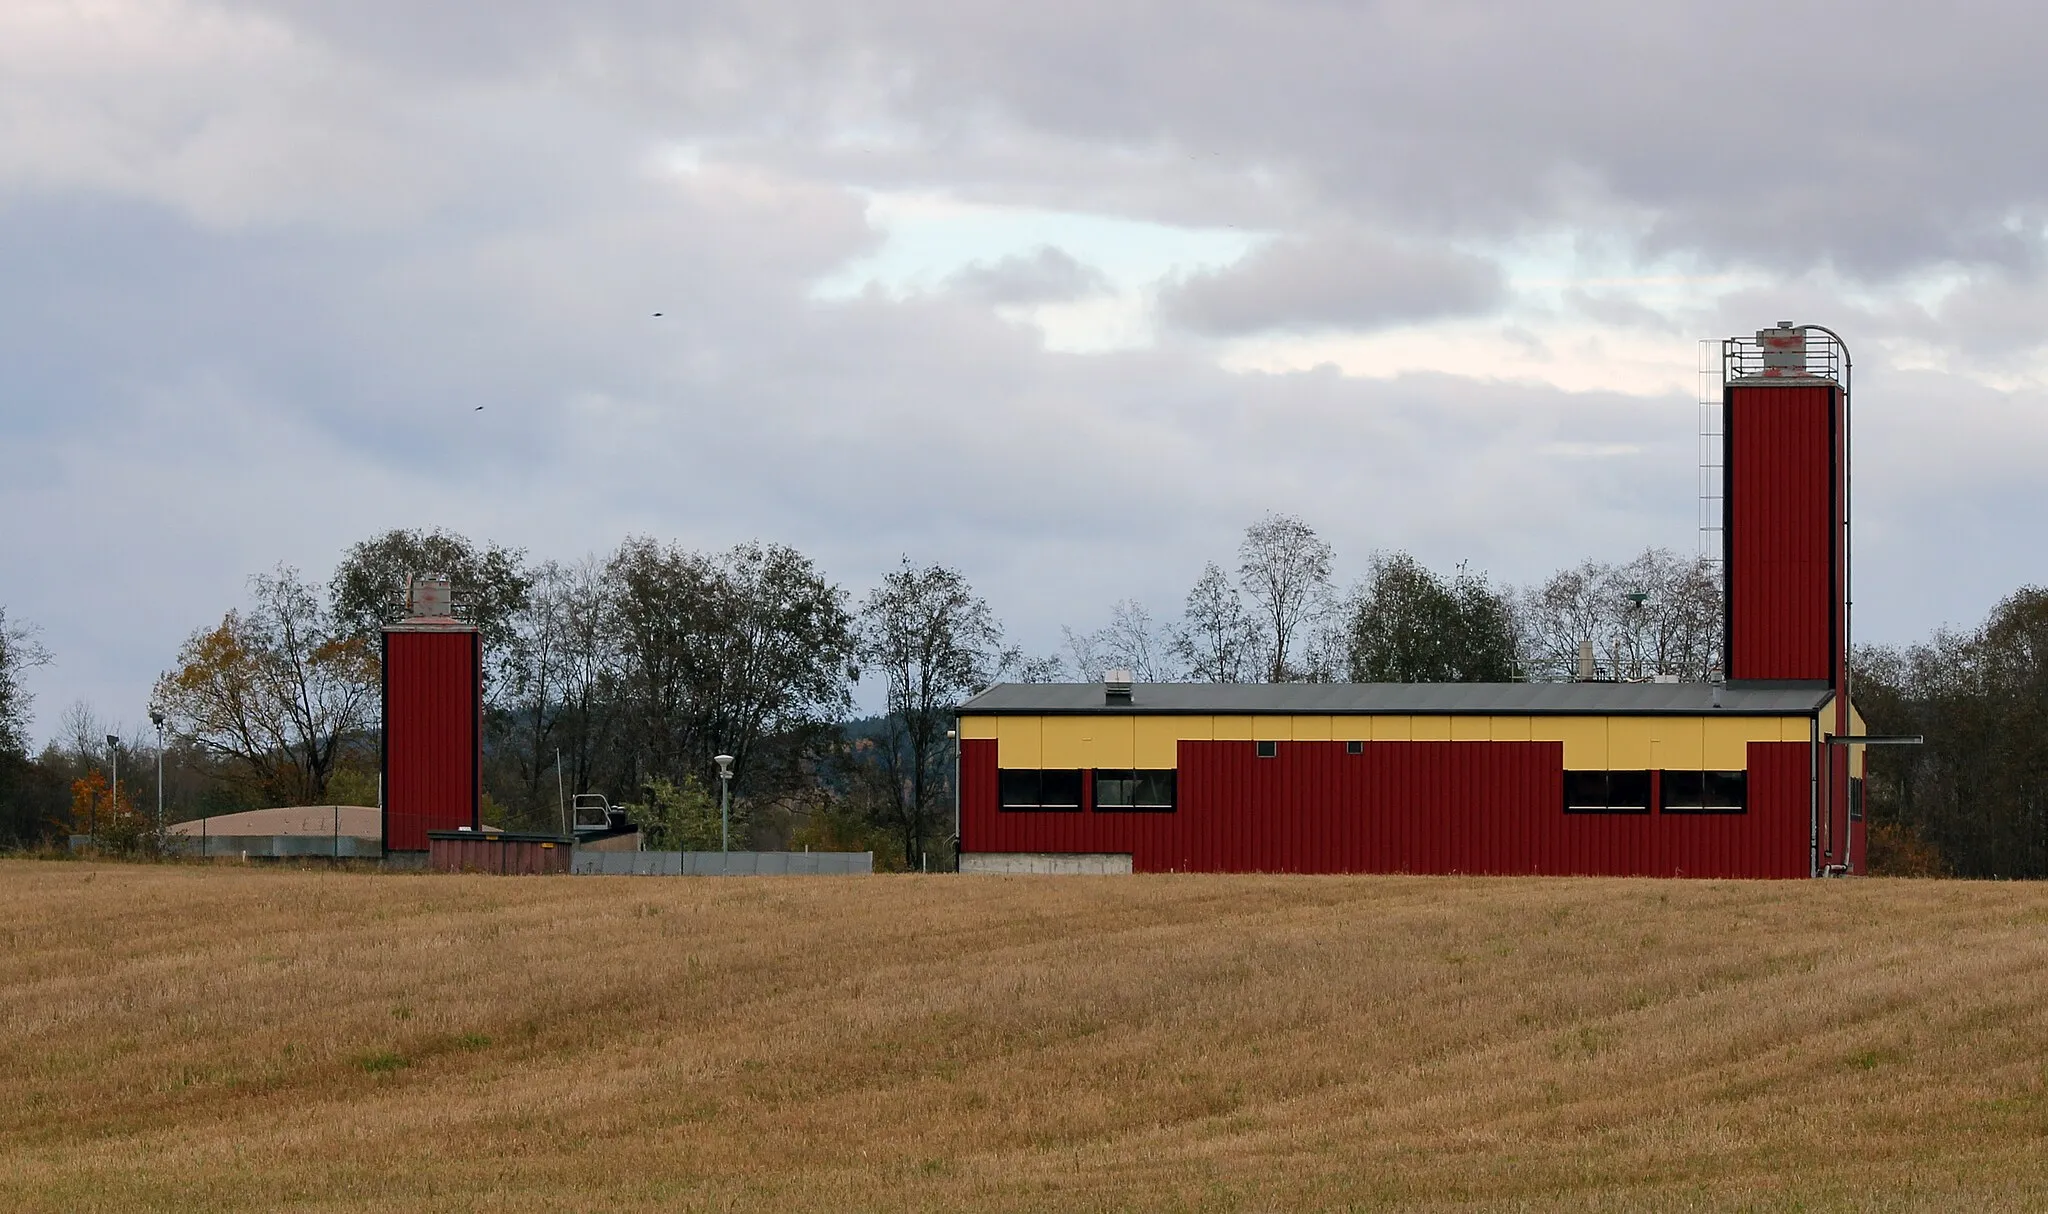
x=432 y=756
x=1405 y=807
x=1781 y=532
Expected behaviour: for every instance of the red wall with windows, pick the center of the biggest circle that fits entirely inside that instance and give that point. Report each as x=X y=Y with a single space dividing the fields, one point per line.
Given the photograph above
x=433 y=756
x=1781 y=530
x=1404 y=807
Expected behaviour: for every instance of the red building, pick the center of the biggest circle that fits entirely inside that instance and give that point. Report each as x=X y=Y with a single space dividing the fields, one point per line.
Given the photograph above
x=433 y=721
x=1740 y=779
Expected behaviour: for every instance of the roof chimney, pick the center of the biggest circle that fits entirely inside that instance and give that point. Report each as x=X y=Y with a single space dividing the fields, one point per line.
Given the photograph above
x=1116 y=687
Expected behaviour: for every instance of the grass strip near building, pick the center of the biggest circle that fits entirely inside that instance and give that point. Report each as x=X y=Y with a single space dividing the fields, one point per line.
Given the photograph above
x=235 y=1039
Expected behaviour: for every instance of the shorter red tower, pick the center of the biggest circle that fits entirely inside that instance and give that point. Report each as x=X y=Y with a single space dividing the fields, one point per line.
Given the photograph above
x=433 y=720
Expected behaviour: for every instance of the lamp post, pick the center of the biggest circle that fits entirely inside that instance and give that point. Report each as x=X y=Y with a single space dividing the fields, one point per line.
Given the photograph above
x=724 y=802
x=114 y=793
x=156 y=717
x=953 y=736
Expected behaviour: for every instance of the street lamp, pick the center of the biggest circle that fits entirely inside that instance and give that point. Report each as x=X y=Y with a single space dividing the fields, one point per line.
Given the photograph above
x=156 y=717
x=953 y=736
x=724 y=801
x=114 y=794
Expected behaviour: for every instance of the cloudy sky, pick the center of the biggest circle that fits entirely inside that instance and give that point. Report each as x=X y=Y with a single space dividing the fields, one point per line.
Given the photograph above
x=1062 y=293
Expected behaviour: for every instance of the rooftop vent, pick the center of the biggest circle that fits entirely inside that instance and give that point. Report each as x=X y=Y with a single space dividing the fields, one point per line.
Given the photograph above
x=1116 y=687
x=430 y=598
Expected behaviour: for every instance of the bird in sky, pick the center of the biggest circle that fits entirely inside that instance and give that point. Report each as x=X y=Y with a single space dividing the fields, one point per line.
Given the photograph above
x=479 y=409
x=657 y=313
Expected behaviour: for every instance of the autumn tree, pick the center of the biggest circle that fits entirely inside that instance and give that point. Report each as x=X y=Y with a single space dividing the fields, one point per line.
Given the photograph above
x=935 y=643
x=559 y=675
x=277 y=690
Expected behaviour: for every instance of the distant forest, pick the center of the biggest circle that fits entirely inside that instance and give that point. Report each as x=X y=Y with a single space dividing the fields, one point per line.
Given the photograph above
x=623 y=674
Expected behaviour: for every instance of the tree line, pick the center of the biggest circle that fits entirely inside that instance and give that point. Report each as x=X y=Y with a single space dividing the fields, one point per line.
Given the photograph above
x=624 y=673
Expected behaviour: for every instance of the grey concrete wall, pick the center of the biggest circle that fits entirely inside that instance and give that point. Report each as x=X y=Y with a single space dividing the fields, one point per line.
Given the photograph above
x=1049 y=864
x=721 y=864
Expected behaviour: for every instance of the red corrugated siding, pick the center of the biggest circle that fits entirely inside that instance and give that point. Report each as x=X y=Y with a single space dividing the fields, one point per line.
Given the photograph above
x=432 y=755
x=487 y=854
x=1781 y=532
x=1405 y=807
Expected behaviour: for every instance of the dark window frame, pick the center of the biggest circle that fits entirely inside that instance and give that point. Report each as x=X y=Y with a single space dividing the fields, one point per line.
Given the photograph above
x=1354 y=748
x=1145 y=796
x=1012 y=797
x=1687 y=793
x=1266 y=750
x=1608 y=792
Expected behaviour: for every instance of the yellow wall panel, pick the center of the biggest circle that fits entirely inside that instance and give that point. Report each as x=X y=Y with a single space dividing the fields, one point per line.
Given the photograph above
x=1508 y=729
x=1273 y=729
x=1628 y=743
x=1232 y=729
x=1796 y=729
x=1069 y=742
x=1311 y=729
x=1430 y=729
x=1019 y=742
x=1351 y=729
x=1584 y=738
x=1725 y=746
x=1678 y=743
x=1392 y=729
x=1156 y=740
x=1471 y=729
x=973 y=728
x=1116 y=743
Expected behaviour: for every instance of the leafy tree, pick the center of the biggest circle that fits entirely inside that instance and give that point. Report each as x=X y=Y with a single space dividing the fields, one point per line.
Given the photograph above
x=1216 y=640
x=1283 y=567
x=935 y=643
x=278 y=690
x=682 y=816
x=1410 y=626
x=490 y=583
x=748 y=653
x=1978 y=789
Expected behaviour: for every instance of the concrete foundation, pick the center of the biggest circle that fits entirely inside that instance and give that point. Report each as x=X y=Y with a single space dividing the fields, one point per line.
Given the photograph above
x=1051 y=864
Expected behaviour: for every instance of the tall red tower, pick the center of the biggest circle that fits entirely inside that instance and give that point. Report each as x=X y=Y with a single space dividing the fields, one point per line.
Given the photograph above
x=433 y=721
x=1785 y=511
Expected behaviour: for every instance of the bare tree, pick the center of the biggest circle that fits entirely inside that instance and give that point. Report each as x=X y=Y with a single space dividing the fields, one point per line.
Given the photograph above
x=278 y=690
x=1284 y=569
x=1215 y=640
x=1659 y=613
x=935 y=643
x=19 y=651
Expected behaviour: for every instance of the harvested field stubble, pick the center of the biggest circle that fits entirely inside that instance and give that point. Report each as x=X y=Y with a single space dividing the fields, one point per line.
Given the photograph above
x=241 y=1040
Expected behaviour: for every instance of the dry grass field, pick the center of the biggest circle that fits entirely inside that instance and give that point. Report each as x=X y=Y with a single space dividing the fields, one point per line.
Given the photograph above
x=235 y=1039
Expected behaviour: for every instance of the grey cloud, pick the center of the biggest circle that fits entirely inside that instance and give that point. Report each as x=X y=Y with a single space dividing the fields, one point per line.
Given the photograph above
x=1049 y=275
x=214 y=357
x=1344 y=282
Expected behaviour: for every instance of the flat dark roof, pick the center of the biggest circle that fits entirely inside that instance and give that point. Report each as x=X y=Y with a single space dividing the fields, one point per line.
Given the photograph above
x=1450 y=699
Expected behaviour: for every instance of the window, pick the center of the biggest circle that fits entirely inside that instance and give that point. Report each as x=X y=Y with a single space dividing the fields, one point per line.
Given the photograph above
x=1607 y=792
x=1705 y=792
x=1268 y=750
x=1354 y=748
x=1134 y=791
x=1030 y=789
x=1857 y=791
